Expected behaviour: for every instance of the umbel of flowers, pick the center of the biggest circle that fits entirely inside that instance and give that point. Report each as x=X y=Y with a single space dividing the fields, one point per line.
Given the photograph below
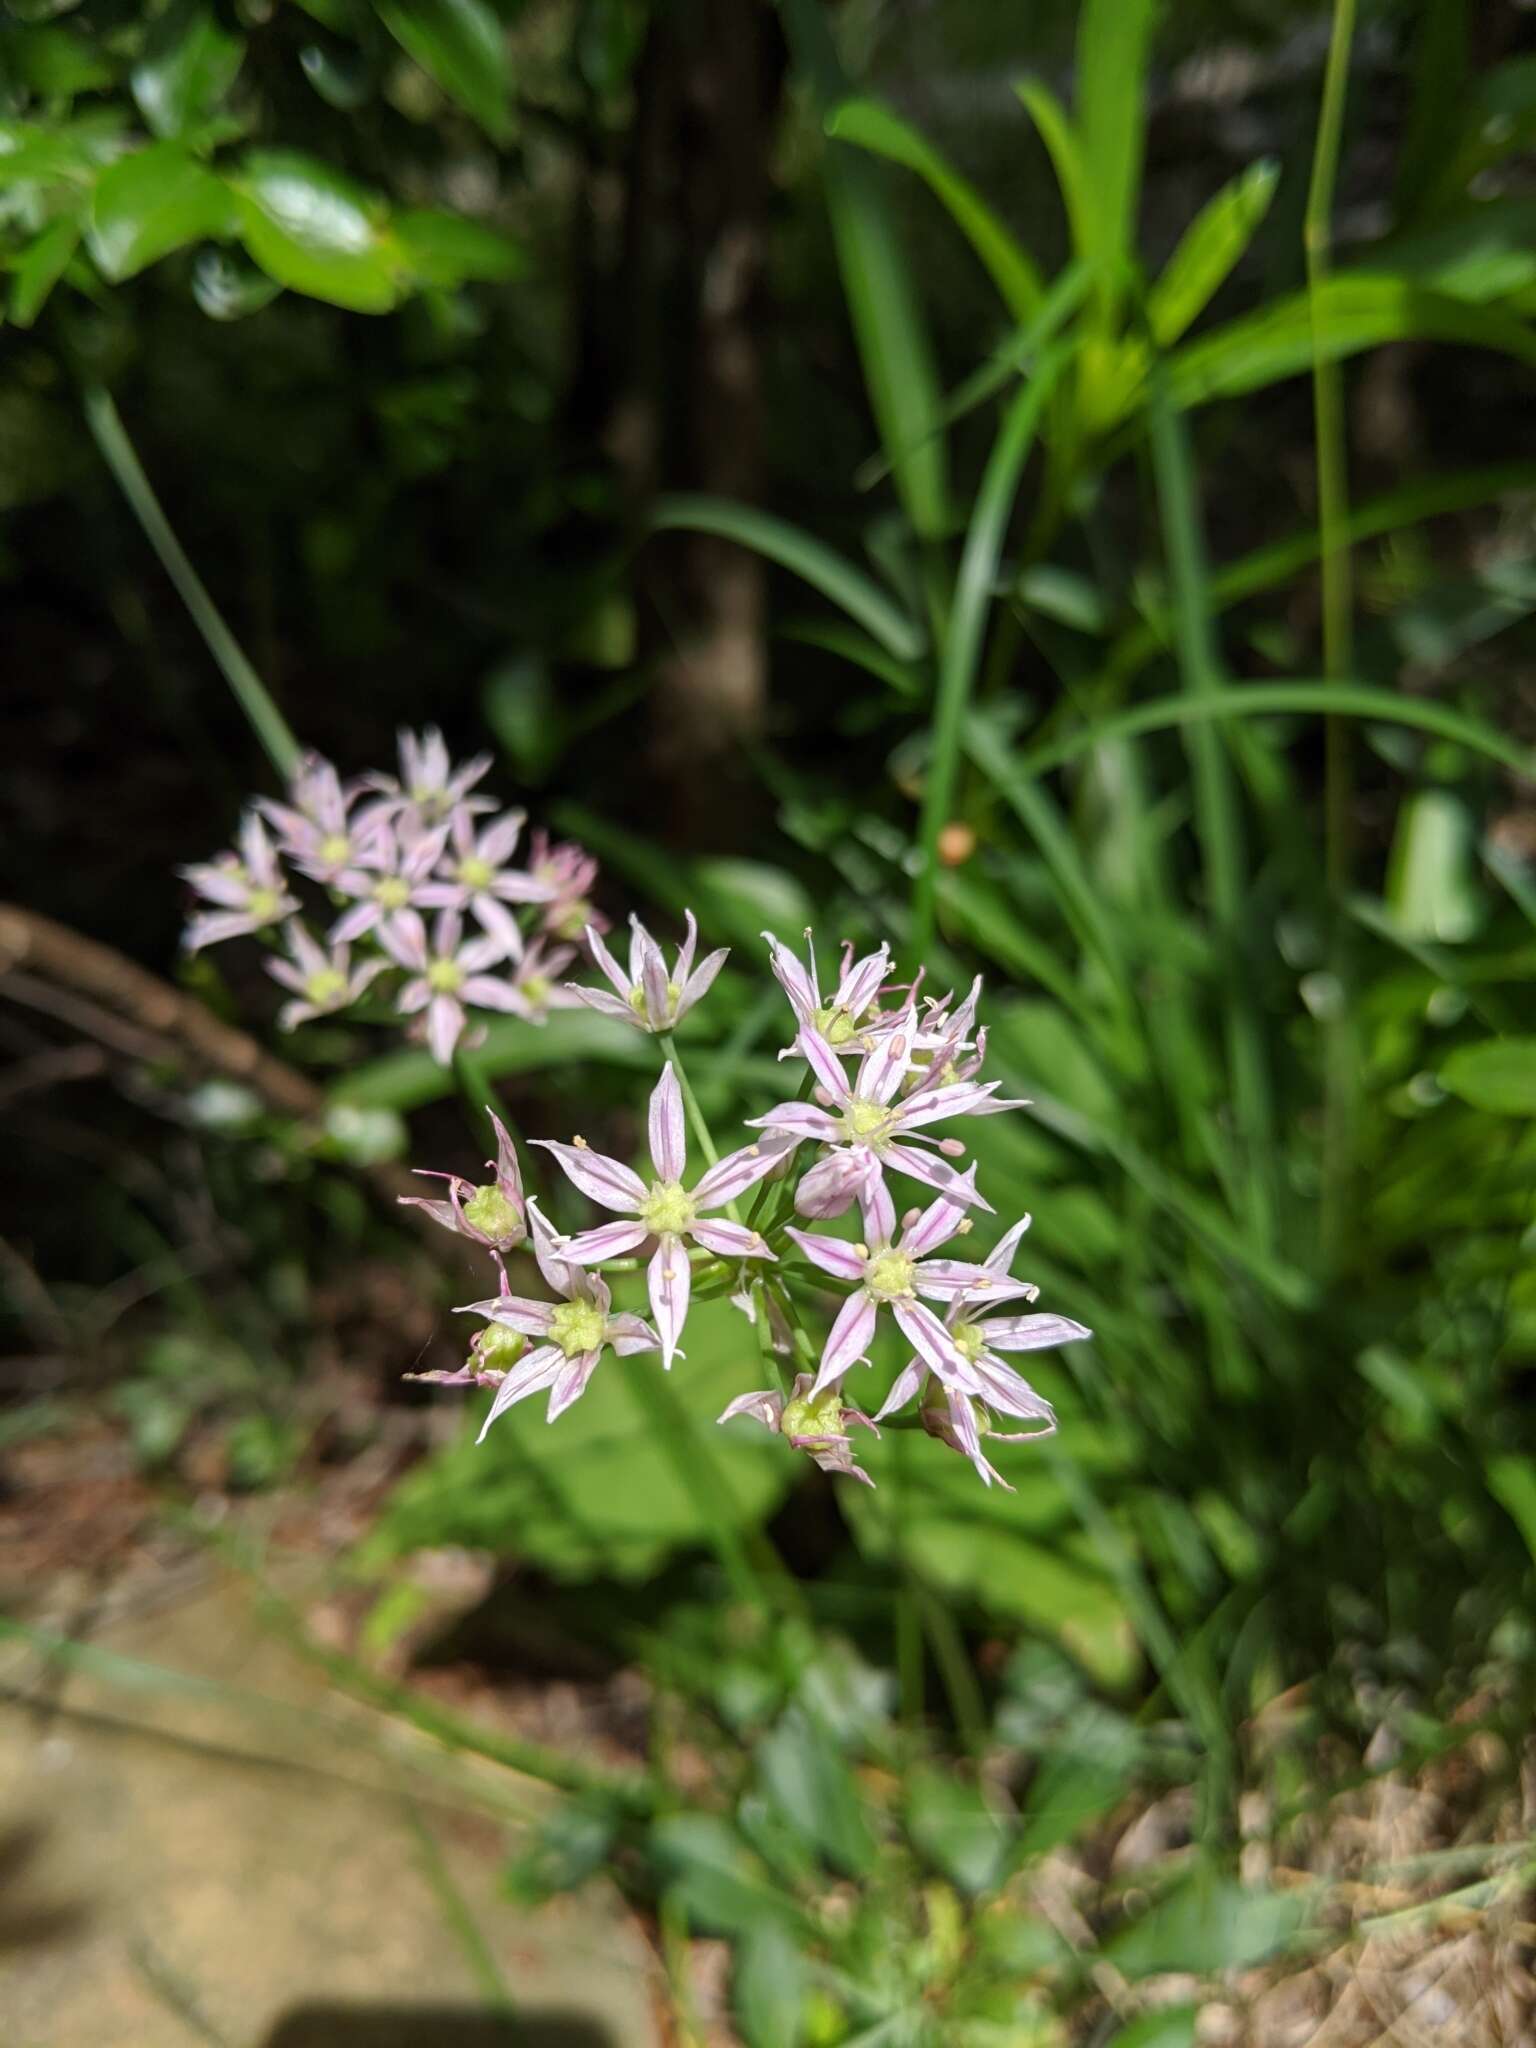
x=881 y=1069
x=412 y=890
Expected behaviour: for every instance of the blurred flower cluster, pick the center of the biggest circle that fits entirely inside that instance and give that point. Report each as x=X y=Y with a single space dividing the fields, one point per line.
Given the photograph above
x=414 y=883
x=882 y=1064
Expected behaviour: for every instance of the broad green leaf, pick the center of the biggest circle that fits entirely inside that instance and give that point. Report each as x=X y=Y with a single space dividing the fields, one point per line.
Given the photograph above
x=1357 y=311
x=1512 y=1482
x=150 y=203
x=722 y=1887
x=55 y=61
x=952 y=1825
x=758 y=892
x=876 y=128
x=461 y=44
x=34 y=152
x=1210 y=247
x=1171 y=2026
x=314 y=231
x=1431 y=889
x=1499 y=1074
x=808 y=1782
x=188 y=66
x=895 y=348
x=1484 y=254
x=446 y=249
x=1113 y=43
x=1205 y=1925
x=769 y=1983
x=1088 y=1768
x=38 y=268
x=812 y=560
x=598 y=1494
x=1056 y=132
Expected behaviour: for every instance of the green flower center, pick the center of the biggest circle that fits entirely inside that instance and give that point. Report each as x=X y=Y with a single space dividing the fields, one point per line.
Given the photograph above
x=573 y=919
x=578 y=1327
x=969 y=1339
x=391 y=893
x=867 y=1122
x=823 y=1417
x=498 y=1349
x=489 y=1212
x=263 y=905
x=326 y=987
x=444 y=977
x=536 y=989
x=475 y=873
x=637 y=998
x=667 y=1209
x=334 y=849
x=888 y=1275
x=835 y=1026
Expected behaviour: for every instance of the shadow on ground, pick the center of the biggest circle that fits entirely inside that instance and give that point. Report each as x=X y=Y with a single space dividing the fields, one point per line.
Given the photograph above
x=431 y=2026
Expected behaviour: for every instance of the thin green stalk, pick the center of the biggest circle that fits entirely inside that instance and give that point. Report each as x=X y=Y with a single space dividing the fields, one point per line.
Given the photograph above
x=458 y=1915
x=965 y=628
x=955 y=1669
x=700 y=1128
x=1216 y=815
x=1340 y=1079
x=266 y=721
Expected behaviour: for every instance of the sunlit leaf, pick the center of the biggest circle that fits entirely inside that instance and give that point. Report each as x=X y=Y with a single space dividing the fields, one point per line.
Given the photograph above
x=150 y=203
x=314 y=231
x=1211 y=245
x=188 y=66
x=461 y=44
x=1499 y=1075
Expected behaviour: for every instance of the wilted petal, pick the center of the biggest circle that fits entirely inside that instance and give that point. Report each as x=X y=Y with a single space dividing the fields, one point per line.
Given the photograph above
x=668 y=1135
x=847 y=1340
x=669 y=1277
x=608 y=1241
x=608 y=1181
x=629 y=1334
x=765 y=1407
x=842 y=1261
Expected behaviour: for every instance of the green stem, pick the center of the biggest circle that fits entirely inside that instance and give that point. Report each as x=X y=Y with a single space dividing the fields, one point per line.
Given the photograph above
x=690 y=1101
x=1340 y=1082
x=266 y=721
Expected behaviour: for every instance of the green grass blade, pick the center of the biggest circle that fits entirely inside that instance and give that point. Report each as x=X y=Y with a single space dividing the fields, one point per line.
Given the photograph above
x=1217 y=820
x=1054 y=125
x=1114 y=41
x=894 y=346
x=874 y=127
x=252 y=695
x=1210 y=247
x=806 y=557
x=1264 y=700
x=975 y=586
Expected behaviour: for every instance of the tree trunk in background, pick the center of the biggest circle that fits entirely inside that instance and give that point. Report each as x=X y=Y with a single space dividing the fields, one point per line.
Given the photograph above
x=689 y=409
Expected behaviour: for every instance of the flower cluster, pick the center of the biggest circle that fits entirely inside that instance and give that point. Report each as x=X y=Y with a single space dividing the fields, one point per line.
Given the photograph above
x=420 y=872
x=883 y=1064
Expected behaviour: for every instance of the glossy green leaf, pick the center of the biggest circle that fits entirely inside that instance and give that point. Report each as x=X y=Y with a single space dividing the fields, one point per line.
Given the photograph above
x=1499 y=1074
x=769 y=1982
x=1210 y=247
x=720 y=1885
x=1114 y=40
x=1431 y=888
x=876 y=128
x=39 y=267
x=150 y=203
x=808 y=1782
x=1205 y=1925
x=35 y=152
x=895 y=348
x=810 y=559
x=1356 y=311
x=1060 y=138
x=599 y=1494
x=446 y=249
x=954 y=1828
x=315 y=231
x=461 y=44
x=188 y=66
x=1171 y=2026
